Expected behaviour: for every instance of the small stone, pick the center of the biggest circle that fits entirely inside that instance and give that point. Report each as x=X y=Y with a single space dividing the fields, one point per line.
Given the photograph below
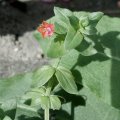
x=38 y=56
x=16 y=49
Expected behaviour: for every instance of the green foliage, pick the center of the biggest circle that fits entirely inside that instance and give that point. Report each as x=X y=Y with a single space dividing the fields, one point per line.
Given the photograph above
x=45 y=102
x=42 y=75
x=55 y=102
x=100 y=77
x=50 y=102
x=96 y=70
x=84 y=51
x=27 y=111
x=7 y=118
x=92 y=109
x=70 y=30
x=56 y=47
x=14 y=87
x=76 y=37
x=66 y=80
x=9 y=104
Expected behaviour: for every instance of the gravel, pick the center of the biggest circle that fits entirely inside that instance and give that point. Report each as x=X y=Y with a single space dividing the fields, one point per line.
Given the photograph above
x=19 y=51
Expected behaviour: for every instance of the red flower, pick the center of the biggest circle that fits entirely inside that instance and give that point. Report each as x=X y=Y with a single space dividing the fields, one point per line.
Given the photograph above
x=46 y=29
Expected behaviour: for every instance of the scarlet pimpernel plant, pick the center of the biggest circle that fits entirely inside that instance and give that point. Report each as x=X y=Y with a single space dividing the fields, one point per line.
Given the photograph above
x=58 y=37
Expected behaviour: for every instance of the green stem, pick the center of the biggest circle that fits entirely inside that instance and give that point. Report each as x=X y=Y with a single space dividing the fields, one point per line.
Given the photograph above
x=59 y=62
x=48 y=91
x=49 y=87
x=46 y=114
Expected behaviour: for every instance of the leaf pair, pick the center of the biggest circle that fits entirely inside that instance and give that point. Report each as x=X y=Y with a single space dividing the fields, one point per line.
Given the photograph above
x=88 y=23
x=50 y=102
x=63 y=75
x=41 y=99
x=73 y=37
x=77 y=27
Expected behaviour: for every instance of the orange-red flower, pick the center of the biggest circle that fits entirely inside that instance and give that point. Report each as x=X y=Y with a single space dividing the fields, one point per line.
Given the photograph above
x=46 y=29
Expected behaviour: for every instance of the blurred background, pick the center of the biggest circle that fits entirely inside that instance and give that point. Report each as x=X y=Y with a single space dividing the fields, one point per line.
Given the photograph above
x=19 y=51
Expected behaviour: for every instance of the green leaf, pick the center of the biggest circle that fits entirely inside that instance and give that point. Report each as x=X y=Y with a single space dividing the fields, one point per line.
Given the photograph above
x=80 y=14
x=73 y=38
x=88 y=107
x=42 y=75
x=55 y=102
x=61 y=16
x=84 y=20
x=26 y=110
x=37 y=35
x=53 y=46
x=66 y=80
x=56 y=48
x=45 y=102
x=95 y=16
x=89 y=30
x=89 y=51
x=59 y=28
x=13 y=87
x=50 y=102
x=74 y=21
x=64 y=11
x=34 y=95
x=69 y=60
x=9 y=104
x=44 y=42
x=7 y=118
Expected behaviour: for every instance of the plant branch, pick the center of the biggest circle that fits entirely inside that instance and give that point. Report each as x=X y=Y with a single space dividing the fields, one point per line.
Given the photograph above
x=48 y=91
x=46 y=114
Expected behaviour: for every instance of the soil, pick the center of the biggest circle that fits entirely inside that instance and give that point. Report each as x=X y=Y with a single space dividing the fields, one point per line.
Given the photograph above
x=19 y=51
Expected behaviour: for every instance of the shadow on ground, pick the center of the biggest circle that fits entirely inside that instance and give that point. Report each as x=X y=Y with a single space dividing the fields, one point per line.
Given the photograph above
x=26 y=17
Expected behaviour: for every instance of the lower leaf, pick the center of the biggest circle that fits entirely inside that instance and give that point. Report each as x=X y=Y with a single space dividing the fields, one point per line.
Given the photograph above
x=55 y=102
x=66 y=80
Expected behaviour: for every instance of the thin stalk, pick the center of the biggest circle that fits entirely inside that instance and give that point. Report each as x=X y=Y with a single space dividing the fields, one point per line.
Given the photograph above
x=59 y=62
x=46 y=113
x=48 y=91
